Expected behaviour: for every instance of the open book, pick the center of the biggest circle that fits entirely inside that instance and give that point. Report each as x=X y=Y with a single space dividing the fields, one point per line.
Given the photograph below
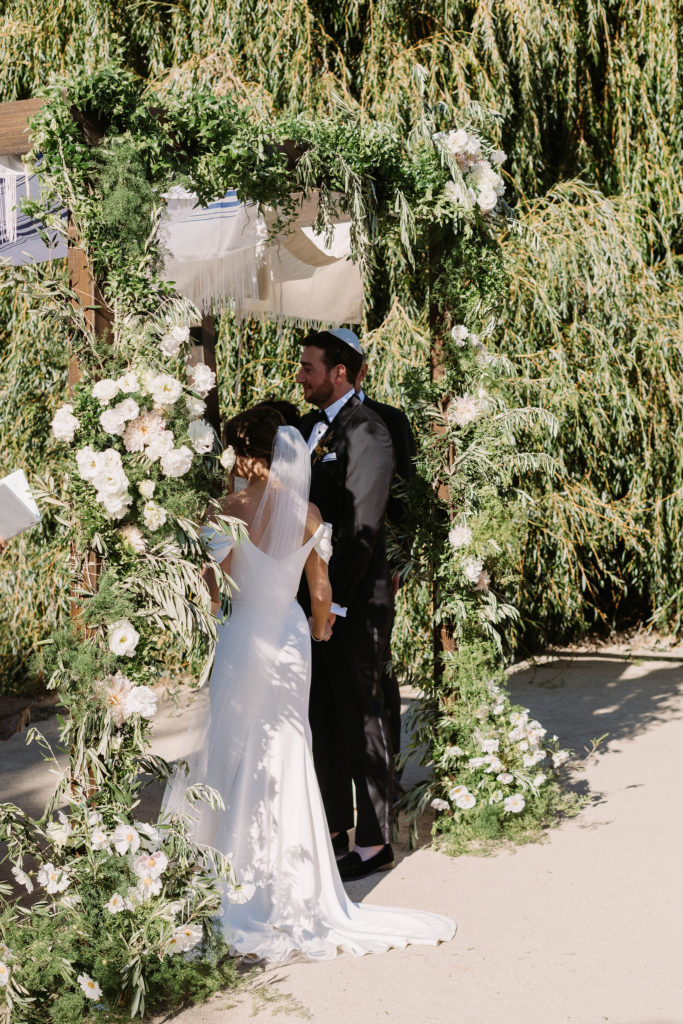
x=18 y=510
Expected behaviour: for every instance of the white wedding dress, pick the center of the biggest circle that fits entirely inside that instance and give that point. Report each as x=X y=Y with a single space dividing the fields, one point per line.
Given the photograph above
x=255 y=750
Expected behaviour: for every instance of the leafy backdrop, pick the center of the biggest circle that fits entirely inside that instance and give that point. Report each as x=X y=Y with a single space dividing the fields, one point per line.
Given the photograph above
x=589 y=98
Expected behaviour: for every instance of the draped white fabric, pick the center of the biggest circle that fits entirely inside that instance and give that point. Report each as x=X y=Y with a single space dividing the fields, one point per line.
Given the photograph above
x=226 y=252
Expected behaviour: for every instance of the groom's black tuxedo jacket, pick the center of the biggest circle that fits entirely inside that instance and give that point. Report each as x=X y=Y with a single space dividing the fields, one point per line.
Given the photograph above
x=351 y=472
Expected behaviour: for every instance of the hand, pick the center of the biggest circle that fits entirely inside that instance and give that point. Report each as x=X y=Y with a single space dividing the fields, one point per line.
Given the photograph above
x=327 y=631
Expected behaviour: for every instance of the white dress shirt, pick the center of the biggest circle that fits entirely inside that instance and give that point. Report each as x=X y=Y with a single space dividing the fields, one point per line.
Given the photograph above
x=320 y=427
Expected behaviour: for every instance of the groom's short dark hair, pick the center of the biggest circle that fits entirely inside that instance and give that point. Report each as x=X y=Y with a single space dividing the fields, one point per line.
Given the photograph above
x=336 y=352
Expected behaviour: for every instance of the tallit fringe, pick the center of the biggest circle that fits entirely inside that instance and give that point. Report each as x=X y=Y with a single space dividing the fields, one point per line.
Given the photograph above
x=8 y=212
x=305 y=323
x=209 y=283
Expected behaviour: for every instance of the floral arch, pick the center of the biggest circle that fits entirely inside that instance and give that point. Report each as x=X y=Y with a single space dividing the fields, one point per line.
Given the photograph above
x=144 y=462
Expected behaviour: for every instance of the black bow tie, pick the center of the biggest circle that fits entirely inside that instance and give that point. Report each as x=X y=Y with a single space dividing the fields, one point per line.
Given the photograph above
x=322 y=417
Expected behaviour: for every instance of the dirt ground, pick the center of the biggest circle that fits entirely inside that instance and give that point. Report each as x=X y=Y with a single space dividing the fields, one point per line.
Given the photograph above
x=581 y=928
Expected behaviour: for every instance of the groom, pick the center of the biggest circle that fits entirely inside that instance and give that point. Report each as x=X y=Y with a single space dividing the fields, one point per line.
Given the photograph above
x=351 y=472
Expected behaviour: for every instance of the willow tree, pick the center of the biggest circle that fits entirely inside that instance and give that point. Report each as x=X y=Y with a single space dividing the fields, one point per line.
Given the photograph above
x=587 y=97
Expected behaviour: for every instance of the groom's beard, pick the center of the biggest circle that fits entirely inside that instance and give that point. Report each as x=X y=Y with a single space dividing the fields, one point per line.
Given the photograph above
x=321 y=394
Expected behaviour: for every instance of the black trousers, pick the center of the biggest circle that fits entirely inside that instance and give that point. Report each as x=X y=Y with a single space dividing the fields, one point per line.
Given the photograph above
x=351 y=734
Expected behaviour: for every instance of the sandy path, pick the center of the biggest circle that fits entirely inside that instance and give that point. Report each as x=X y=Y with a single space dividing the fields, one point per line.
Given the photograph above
x=583 y=928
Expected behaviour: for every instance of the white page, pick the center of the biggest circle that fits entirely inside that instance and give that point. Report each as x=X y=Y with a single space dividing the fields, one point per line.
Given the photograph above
x=18 y=509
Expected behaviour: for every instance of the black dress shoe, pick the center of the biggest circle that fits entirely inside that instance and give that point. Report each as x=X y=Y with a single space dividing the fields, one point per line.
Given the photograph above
x=340 y=844
x=351 y=866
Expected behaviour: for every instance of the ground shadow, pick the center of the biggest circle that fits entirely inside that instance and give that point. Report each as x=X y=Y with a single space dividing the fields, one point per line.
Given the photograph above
x=583 y=698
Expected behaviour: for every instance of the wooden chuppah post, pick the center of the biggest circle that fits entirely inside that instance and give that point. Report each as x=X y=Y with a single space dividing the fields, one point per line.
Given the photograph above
x=442 y=635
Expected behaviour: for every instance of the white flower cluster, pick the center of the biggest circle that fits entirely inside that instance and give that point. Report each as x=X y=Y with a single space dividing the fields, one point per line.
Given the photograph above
x=466 y=408
x=65 y=424
x=482 y=185
x=104 y=470
x=509 y=746
x=173 y=338
x=184 y=937
x=124 y=698
x=474 y=571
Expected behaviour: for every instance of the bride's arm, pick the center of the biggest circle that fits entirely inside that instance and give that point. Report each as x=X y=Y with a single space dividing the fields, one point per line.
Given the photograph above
x=321 y=595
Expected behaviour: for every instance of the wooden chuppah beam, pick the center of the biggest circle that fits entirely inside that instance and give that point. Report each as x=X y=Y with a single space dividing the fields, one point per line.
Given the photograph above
x=15 y=134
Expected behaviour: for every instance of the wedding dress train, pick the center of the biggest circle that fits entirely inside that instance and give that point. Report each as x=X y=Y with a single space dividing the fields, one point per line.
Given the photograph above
x=255 y=750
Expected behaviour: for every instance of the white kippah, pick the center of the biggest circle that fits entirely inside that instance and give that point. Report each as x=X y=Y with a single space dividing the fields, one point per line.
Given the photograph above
x=348 y=337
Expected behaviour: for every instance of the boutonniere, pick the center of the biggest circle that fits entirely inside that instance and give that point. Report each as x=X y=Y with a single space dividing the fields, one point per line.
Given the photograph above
x=323 y=445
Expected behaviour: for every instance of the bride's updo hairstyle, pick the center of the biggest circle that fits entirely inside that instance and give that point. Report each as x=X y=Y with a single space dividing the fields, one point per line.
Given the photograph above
x=252 y=433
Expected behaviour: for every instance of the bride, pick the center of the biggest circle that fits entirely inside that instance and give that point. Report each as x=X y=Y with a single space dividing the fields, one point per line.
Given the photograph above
x=255 y=746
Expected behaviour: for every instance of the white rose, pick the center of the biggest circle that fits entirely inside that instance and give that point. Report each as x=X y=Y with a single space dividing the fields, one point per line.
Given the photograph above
x=459 y=194
x=560 y=757
x=477 y=762
x=105 y=390
x=173 y=339
x=116 y=505
x=496 y=797
x=126 y=839
x=471 y=568
x=459 y=334
x=486 y=200
x=202 y=436
x=176 y=462
x=141 y=700
x=439 y=805
x=159 y=445
x=154 y=515
x=89 y=463
x=498 y=157
x=539 y=780
x=113 y=421
x=128 y=408
x=152 y=864
x=65 y=424
x=490 y=746
x=128 y=383
x=110 y=478
x=505 y=778
x=195 y=406
x=123 y=638
x=165 y=389
x=202 y=379
x=146 y=488
x=453 y=752
x=227 y=459
x=460 y=537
